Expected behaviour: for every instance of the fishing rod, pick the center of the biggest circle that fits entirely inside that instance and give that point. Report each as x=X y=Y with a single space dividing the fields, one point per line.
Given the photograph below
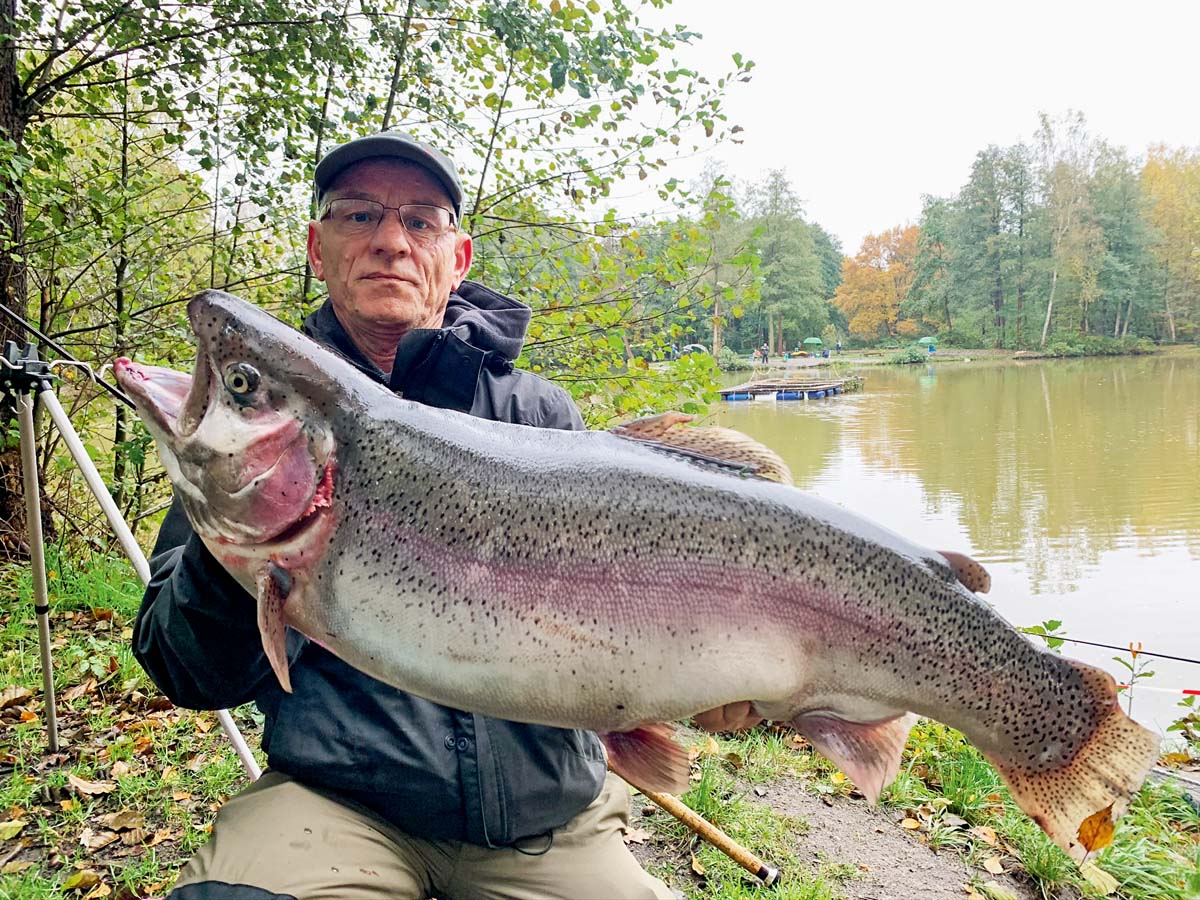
x=57 y=348
x=1057 y=637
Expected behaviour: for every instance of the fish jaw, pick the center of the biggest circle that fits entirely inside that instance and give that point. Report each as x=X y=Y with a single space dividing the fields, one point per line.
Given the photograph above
x=158 y=393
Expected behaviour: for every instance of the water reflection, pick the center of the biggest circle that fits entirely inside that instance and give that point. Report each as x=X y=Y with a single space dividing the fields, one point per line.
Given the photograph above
x=1076 y=482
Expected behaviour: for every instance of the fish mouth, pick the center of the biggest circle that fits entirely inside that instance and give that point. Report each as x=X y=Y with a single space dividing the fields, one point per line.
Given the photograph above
x=159 y=392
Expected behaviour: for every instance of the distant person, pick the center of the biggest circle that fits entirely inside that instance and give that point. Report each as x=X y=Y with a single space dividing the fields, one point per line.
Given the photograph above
x=839 y=346
x=765 y=351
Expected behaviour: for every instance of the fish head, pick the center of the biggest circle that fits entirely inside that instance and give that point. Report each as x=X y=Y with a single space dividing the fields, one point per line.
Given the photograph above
x=247 y=439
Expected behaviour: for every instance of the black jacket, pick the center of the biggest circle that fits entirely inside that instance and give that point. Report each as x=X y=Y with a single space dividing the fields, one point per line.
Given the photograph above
x=432 y=771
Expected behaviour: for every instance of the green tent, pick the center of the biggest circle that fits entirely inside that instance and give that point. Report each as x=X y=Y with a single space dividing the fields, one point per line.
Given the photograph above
x=814 y=341
x=927 y=341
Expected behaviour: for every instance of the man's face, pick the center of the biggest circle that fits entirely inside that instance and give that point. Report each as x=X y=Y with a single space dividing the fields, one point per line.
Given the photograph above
x=386 y=281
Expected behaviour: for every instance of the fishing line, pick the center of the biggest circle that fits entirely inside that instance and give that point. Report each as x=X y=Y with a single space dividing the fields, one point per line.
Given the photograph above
x=1109 y=646
x=57 y=348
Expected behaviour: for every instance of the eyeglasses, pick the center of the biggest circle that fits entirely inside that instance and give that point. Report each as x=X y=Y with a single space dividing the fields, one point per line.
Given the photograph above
x=351 y=217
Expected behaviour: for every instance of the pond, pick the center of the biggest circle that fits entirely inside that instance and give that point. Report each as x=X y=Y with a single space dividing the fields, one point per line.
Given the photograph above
x=1075 y=482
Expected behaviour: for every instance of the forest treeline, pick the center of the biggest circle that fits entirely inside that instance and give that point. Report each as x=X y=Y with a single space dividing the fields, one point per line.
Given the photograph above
x=150 y=150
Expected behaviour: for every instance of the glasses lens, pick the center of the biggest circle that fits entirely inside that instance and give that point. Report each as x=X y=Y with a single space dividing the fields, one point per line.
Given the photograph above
x=354 y=216
x=425 y=221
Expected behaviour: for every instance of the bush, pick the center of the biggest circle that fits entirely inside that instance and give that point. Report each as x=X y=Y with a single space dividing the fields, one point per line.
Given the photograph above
x=908 y=356
x=729 y=360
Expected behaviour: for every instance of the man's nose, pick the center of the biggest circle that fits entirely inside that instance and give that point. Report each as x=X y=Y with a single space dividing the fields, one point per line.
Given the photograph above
x=390 y=235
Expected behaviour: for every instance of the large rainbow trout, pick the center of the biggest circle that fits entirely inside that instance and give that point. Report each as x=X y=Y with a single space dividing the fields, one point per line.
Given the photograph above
x=608 y=581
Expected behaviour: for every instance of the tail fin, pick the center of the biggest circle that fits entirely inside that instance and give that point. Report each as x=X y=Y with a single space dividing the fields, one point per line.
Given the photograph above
x=1106 y=771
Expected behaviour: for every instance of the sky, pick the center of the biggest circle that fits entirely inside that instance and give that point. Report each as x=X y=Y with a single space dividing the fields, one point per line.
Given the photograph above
x=869 y=105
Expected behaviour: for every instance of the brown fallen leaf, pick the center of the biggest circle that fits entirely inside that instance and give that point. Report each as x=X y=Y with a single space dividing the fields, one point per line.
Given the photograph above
x=99 y=892
x=698 y=867
x=14 y=695
x=910 y=824
x=160 y=837
x=984 y=833
x=993 y=865
x=1175 y=759
x=90 y=788
x=120 y=769
x=180 y=796
x=134 y=836
x=636 y=835
x=93 y=840
x=123 y=820
x=1096 y=831
x=74 y=693
x=17 y=866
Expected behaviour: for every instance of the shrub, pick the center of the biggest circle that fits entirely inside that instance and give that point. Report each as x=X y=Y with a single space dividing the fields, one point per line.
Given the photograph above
x=908 y=356
x=730 y=360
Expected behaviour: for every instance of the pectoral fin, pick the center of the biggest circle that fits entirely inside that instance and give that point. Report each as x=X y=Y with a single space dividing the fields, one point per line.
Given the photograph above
x=867 y=752
x=649 y=757
x=972 y=575
x=716 y=446
x=274 y=585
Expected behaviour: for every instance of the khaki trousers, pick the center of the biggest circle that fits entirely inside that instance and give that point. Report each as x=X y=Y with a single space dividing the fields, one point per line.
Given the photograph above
x=292 y=840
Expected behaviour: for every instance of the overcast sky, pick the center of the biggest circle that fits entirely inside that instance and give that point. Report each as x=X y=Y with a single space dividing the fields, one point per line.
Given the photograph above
x=869 y=105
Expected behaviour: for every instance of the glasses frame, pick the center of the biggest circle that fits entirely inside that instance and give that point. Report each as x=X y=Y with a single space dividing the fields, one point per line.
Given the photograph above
x=424 y=237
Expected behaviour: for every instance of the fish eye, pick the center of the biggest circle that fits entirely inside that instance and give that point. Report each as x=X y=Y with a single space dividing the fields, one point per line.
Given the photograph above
x=242 y=379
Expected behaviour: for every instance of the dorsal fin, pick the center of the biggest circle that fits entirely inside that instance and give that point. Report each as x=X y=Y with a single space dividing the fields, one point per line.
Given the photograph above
x=972 y=575
x=713 y=444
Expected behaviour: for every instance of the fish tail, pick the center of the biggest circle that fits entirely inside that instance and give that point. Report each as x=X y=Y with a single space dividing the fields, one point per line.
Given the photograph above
x=1096 y=784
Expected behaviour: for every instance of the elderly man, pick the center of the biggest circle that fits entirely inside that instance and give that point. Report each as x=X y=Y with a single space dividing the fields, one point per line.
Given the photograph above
x=372 y=792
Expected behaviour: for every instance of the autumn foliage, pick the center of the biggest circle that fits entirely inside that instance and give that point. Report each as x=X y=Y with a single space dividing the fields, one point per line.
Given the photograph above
x=876 y=281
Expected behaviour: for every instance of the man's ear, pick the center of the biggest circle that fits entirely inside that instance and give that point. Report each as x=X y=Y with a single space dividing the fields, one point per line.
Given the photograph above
x=462 y=258
x=314 y=250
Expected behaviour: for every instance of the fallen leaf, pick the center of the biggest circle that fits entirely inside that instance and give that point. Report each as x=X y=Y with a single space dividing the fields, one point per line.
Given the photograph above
x=165 y=834
x=120 y=769
x=734 y=759
x=796 y=742
x=1175 y=759
x=68 y=805
x=837 y=778
x=910 y=824
x=100 y=614
x=11 y=828
x=81 y=881
x=1096 y=831
x=697 y=866
x=13 y=695
x=17 y=866
x=994 y=891
x=74 y=693
x=204 y=726
x=760 y=791
x=123 y=820
x=1098 y=878
x=91 y=788
x=134 y=836
x=993 y=865
x=180 y=796
x=98 y=892
x=636 y=835
x=93 y=840
x=985 y=834
x=973 y=894
x=28 y=715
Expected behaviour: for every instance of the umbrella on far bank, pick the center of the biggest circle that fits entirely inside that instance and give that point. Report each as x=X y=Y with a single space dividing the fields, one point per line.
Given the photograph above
x=927 y=341
x=814 y=341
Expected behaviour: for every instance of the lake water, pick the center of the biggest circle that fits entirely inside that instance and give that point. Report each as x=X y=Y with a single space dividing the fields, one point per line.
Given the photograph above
x=1075 y=482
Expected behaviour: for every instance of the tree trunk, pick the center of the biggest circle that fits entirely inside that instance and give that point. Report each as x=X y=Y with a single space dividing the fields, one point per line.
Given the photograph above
x=1050 y=304
x=12 y=287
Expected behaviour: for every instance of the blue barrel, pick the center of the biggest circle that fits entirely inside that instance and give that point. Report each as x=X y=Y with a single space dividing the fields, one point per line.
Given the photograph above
x=837 y=390
x=738 y=395
x=789 y=395
x=815 y=395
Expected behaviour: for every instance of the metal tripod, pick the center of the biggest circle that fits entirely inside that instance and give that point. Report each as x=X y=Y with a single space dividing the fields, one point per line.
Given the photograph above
x=28 y=380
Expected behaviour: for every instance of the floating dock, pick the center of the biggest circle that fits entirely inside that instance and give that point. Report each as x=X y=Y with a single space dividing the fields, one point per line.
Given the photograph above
x=791 y=389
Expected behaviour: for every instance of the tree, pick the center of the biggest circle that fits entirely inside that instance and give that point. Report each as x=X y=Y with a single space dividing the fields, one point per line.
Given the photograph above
x=1171 y=182
x=877 y=281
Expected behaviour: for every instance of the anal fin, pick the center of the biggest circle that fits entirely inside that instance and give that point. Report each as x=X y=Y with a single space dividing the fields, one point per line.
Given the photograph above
x=867 y=752
x=649 y=757
x=274 y=586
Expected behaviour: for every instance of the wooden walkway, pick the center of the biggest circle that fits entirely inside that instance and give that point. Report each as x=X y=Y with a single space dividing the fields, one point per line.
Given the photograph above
x=791 y=389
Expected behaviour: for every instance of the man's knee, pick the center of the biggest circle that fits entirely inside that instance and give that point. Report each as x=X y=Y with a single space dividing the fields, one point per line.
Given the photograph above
x=222 y=890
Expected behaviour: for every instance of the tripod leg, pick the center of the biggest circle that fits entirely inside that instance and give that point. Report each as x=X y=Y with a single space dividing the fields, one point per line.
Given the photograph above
x=130 y=545
x=37 y=557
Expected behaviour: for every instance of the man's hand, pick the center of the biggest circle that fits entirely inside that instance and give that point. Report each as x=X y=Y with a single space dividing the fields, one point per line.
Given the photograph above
x=738 y=716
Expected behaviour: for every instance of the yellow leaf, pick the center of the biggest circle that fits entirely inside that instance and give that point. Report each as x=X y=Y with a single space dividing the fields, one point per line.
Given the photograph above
x=1175 y=759
x=11 y=828
x=985 y=834
x=17 y=866
x=697 y=866
x=910 y=824
x=837 y=778
x=1098 y=878
x=993 y=865
x=81 y=881
x=1096 y=831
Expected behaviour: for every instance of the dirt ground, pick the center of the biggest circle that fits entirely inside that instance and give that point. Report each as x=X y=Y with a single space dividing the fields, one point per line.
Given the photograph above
x=891 y=863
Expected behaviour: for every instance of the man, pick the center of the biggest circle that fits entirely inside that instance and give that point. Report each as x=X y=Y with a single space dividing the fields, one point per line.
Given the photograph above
x=371 y=792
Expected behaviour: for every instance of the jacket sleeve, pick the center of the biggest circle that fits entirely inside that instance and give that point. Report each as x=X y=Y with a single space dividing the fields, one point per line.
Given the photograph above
x=196 y=634
x=558 y=410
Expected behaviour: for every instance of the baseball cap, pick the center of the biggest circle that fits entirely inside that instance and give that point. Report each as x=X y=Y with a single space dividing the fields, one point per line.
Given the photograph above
x=396 y=145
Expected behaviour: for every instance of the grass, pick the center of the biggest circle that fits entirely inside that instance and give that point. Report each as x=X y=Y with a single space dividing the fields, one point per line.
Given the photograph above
x=128 y=751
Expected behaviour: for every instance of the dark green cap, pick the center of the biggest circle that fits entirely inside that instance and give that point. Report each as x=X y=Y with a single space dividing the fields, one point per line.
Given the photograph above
x=393 y=145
